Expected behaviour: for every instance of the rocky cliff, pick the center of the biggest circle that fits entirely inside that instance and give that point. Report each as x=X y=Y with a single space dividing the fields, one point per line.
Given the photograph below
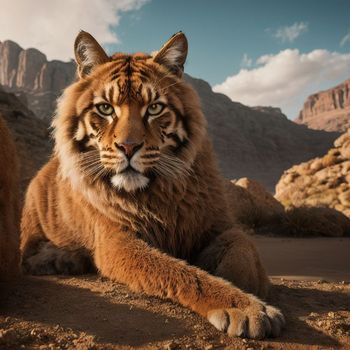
x=328 y=110
x=29 y=74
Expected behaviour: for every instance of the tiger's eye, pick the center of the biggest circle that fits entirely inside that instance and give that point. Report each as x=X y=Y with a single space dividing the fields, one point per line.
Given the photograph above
x=155 y=108
x=105 y=109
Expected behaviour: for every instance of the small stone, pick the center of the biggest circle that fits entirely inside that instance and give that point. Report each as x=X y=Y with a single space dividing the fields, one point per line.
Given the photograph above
x=209 y=347
x=340 y=331
x=331 y=314
x=170 y=346
x=245 y=341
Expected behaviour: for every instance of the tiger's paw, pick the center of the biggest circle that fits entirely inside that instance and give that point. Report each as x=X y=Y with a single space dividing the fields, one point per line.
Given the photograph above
x=256 y=322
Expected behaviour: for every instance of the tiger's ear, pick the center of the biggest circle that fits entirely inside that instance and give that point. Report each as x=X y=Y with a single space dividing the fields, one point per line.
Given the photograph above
x=88 y=53
x=173 y=53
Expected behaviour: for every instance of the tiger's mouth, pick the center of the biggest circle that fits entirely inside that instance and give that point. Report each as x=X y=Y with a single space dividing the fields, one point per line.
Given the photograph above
x=129 y=179
x=130 y=170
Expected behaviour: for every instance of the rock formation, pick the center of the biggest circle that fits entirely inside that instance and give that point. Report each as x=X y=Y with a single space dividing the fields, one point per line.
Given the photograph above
x=323 y=181
x=252 y=207
x=29 y=72
x=328 y=110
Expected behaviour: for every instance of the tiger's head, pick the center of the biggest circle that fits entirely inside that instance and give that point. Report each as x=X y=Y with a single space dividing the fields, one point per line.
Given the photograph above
x=129 y=119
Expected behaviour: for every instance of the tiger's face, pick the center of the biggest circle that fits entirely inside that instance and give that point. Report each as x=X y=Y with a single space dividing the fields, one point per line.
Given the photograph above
x=131 y=120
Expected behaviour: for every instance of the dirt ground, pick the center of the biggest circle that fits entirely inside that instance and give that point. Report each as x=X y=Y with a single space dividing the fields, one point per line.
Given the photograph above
x=88 y=312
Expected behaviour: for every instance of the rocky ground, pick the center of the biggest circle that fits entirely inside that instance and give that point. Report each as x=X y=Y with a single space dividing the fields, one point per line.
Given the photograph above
x=91 y=313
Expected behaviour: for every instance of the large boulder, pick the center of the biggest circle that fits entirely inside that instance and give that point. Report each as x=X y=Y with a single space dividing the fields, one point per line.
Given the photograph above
x=323 y=181
x=258 y=211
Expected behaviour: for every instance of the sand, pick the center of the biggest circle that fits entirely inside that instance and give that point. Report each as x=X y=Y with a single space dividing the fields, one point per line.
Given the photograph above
x=88 y=312
x=310 y=259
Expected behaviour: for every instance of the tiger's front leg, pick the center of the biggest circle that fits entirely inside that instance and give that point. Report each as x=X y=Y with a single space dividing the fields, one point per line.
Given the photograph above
x=126 y=259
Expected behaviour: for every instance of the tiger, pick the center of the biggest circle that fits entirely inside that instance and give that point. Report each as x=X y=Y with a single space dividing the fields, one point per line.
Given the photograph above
x=133 y=190
x=9 y=205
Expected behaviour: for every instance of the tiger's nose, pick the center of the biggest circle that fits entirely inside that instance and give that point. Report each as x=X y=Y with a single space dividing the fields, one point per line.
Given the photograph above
x=129 y=148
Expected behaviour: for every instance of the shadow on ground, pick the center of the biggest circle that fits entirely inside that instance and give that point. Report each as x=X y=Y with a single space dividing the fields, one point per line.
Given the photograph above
x=115 y=318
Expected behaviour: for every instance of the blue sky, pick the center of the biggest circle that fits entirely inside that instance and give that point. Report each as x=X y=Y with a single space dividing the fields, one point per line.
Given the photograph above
x=258 y=52
x=221 y=32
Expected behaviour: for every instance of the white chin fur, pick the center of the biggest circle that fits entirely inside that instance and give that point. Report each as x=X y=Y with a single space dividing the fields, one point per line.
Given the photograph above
x=129 y=181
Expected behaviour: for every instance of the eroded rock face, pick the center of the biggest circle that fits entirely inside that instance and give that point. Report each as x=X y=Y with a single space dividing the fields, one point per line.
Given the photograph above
x=328 y=110
x=29 y=65
x=54 y=76
x=29 y=72
x=9 y=57
x=323 y=181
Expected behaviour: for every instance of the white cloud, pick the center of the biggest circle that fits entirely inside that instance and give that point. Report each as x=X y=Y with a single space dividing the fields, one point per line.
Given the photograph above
x=246 y=61
x=290 y=33
x=286 y=79
x=51 y=25
x=345 y=39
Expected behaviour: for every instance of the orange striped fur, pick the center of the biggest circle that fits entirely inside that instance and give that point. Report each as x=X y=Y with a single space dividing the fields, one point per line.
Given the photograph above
x=133 y=184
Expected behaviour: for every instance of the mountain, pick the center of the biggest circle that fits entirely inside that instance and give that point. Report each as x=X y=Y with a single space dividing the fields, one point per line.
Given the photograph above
x=29 y=74
x=259 y=143
x=323 y=181
x=327 y=110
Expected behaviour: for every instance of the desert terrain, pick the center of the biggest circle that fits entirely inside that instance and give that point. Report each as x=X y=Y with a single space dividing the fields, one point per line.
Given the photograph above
x=310 y=283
